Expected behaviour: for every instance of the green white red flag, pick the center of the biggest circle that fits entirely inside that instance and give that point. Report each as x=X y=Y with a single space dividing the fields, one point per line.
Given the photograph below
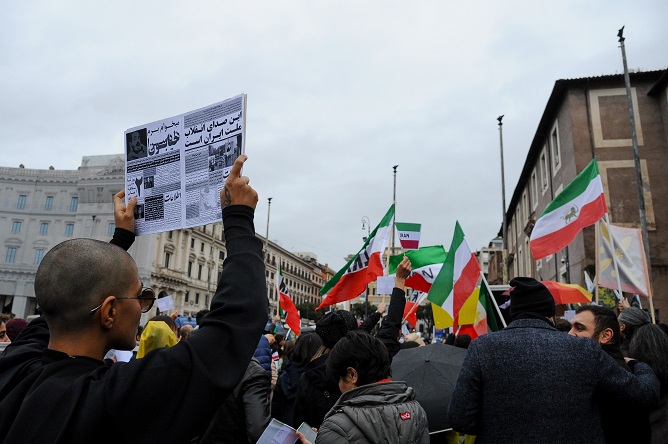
x=483 y=320
x=286 y=304
x=409 y=235
x=426 y=263
x=410 y=309
x=364 y=267
x=458 y=276
x=579 y=205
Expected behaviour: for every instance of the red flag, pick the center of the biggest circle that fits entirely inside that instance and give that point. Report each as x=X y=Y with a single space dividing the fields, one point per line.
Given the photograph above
x=292 y=317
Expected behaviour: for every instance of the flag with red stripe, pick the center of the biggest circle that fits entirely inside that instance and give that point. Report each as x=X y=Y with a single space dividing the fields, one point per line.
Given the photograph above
x=458 y=276
x=364 y=267
x=579 y=205
x=409 y=235
x=286 y=304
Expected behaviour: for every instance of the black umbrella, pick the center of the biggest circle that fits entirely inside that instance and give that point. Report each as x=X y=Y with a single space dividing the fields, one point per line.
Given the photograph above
x=432 y=371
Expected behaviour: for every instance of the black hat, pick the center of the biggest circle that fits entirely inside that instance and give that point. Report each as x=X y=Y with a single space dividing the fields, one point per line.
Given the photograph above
x=530 y=296
x=334 y=325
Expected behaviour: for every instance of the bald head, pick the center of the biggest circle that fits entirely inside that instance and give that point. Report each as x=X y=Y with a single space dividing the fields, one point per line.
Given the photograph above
x=75 y=276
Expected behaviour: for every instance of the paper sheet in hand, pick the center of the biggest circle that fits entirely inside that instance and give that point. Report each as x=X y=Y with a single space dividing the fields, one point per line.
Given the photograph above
x=385 y=284
x=176 y=167
x=278 y=433
x=166 y=303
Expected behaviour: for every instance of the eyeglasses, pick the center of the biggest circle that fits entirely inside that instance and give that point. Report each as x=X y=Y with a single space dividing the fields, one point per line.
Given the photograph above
x=146 y=299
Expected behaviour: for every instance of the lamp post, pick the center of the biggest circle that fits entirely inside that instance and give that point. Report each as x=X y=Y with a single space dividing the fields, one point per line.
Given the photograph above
x=504 y=228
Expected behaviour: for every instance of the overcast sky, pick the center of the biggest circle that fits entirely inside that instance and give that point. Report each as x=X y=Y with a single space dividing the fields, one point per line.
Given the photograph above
x=338 y=93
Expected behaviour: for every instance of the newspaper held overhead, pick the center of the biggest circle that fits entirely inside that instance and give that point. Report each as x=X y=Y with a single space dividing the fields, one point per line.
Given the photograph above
x=176 y=167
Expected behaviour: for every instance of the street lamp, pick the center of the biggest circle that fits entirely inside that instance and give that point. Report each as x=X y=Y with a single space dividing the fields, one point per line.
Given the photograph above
x=366 y=223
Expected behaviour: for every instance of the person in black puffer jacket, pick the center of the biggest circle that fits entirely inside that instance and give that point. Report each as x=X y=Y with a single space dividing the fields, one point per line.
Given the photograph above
x=283 y=402
x=245 y=413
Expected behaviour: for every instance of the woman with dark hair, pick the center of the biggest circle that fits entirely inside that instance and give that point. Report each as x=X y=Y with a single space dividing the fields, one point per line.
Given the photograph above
x=372 y=408
x=648 y=343
x=294 y=363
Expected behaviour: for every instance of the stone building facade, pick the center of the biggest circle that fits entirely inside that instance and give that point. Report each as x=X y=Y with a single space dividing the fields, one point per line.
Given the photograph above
x=41 y=208
x=587 y=118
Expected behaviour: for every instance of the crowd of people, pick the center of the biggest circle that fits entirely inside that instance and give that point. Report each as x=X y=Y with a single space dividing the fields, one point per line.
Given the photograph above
x=86 y=371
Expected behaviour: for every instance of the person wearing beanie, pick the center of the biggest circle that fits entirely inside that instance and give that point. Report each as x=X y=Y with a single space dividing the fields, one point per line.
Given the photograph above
x=318 y=390
x=14 y=327
x=531 y=383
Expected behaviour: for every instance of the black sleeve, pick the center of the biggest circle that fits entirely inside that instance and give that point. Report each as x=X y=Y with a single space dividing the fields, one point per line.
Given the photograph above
x=123 y=238
x=389 y=329
x=34 y=337
x=256 y=404
x=370 y=322
x=212 y=362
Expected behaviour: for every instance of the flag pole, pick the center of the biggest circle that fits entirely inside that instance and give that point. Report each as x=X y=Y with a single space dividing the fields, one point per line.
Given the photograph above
x=614 y=258
x=266 y=239
x=394 y=221
x=597 y=252
x=650 y=292
x=636 y=158
x=491 y=296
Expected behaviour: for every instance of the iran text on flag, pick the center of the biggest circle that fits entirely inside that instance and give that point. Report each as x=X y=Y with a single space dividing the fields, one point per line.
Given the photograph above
x=458 y=276
x=580 y=204
x=477 y=315
x=365 y=267
x=292 y=317
x=426 y=263
x=409 y=235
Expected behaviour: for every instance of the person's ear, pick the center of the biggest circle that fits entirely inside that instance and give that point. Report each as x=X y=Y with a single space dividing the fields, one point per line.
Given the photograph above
x=352 y=376
x=606 y=336
x=108 y=312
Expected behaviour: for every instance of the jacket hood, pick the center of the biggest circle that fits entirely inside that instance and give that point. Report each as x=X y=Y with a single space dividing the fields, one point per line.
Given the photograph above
x=393 y=392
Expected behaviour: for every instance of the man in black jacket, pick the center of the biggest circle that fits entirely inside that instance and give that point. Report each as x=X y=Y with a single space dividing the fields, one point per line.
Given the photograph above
x=600 y=324
x=54 y=386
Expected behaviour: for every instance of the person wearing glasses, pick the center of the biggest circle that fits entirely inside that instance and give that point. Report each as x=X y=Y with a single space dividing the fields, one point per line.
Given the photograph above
x=55 y=387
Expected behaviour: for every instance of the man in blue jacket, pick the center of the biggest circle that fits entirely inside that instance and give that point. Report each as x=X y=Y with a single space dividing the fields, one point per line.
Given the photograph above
x=533 y=383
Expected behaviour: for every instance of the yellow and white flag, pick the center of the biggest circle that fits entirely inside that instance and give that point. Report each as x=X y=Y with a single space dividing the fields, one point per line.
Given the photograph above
x=627 y=246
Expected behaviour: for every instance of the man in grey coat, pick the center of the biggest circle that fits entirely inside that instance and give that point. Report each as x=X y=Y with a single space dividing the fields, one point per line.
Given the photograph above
x=533 y=383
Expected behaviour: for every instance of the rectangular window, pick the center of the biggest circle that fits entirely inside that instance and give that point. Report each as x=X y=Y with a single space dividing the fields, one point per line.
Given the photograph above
x=199 y=271
x=44 y=228
x=187 y=296
x=168 y=256
x=16 y=227
x=206 y=300
x=221 y=255
x=74 y=204
x=11 y=255
x=49 y=203
x=21 y=204
x=201 y=247
x=196 y=298
x=169 y=235
x=543 y=171
x=554 y=146
x=39 y=254
x=111 y=228
x=534 y=189
x=190 y=267
x=192 y=243
x=69 y=229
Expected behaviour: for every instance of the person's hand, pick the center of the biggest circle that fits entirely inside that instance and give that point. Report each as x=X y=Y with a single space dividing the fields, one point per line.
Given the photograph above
x=174 y=315
x=124 y=216
x=403 y=271
x=381 y=308
x=270 y=338
x=236 y=190
x=302 y=438
x=277 y=318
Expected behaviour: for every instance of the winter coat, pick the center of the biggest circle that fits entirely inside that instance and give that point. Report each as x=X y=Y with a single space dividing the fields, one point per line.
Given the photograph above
x=533 y=383
x=384 y=412
x=317 y=393
x=283 y=402
x=263 y=354
x=245 y=413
